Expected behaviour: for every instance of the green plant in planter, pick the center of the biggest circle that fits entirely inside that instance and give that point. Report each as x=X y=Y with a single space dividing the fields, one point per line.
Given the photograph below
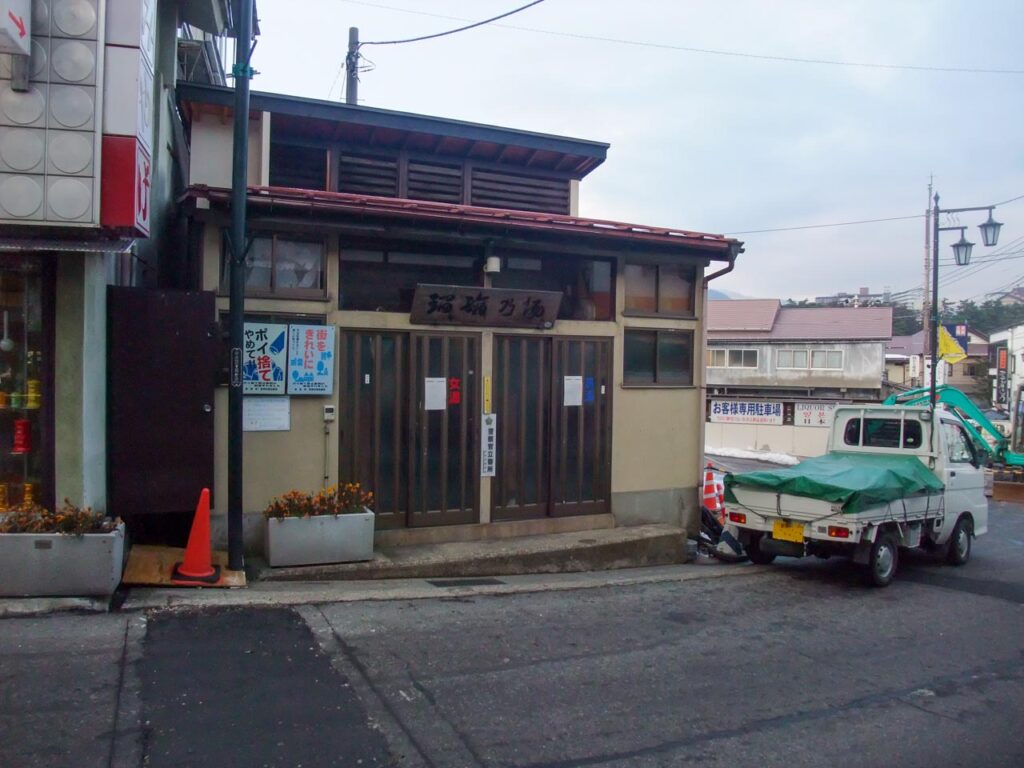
x=341 y=499
x=68 y=519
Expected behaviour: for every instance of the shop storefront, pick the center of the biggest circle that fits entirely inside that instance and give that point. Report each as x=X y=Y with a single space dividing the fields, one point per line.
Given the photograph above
x=26 y=381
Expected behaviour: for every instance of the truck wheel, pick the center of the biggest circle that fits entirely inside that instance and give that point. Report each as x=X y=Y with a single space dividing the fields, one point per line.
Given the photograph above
x=883 y=561
x=755 y=553
x=959 y=551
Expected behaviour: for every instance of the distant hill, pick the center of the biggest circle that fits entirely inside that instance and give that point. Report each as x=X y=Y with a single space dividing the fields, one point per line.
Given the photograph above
x=713 y=294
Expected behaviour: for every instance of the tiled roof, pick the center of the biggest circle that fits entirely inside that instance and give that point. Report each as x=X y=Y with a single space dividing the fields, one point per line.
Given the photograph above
x=906 y=345
x=742 y=314
x=307 y=201
x=798 y=323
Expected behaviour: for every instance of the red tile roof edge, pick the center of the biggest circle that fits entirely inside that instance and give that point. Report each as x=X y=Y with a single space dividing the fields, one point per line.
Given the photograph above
x=425 y=209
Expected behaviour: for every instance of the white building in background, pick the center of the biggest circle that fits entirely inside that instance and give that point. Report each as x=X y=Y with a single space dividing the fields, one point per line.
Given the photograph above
x=775 y=373
x=1006 y=361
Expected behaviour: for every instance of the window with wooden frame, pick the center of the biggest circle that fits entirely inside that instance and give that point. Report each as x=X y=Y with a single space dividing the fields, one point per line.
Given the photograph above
x=281 y=266
x=658 y=358
x=386 y=280
x=660 y=289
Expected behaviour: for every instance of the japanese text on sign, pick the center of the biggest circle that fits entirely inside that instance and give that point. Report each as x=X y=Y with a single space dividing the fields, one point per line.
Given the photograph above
x=745 y=412
x=310 y=359
x=813 y=414
x=488 y=445
x=264 y=357
x=472 y=305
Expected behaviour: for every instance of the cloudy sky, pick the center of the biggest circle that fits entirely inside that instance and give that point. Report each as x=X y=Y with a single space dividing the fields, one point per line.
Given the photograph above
x=724 y=143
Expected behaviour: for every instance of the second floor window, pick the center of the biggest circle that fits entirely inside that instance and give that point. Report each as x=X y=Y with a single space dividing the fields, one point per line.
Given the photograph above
x=282 y=267
x=732 y=358
x=659 y=289
x=817 y=359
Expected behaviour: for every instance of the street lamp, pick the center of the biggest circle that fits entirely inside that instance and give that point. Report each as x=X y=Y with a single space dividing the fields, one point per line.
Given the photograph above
x=962 y=255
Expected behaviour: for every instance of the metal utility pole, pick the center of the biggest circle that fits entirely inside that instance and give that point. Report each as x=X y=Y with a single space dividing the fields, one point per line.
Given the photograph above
x=239 y=185
x=926 y=301
x=352 y=67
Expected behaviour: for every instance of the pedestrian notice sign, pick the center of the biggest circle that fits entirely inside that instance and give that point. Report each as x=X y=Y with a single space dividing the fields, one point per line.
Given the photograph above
x=488 y=445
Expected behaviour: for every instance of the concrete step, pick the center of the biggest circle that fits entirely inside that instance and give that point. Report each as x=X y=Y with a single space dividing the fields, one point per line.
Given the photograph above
x=595 y=550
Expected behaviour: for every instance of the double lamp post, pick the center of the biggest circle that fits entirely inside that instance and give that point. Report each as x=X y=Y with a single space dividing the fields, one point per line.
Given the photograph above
x=962 y=256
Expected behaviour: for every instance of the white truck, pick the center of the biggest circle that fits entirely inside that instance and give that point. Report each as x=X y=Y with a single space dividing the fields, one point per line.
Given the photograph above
x=894 y=477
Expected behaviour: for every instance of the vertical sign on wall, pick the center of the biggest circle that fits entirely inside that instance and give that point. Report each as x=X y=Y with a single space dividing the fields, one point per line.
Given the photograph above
x=488 y=445
x=1002 y=371
x=264 y=359
x=310 y=359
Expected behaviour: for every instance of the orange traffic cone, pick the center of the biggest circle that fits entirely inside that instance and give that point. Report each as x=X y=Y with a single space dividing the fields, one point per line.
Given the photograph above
x=710 y=494
x=197 y=567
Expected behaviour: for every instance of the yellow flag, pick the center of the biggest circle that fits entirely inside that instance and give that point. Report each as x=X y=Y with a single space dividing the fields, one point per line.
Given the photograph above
x=949 y=348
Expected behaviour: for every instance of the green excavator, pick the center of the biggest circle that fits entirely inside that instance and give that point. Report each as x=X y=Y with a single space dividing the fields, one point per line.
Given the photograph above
x=997 y=447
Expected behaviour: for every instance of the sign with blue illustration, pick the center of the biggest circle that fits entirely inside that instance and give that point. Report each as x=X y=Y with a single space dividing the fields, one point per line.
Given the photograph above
x=310 y=359
x=264 y=358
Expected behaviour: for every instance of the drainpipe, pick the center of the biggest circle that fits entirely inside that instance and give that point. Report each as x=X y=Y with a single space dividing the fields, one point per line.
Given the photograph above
x=735 y=249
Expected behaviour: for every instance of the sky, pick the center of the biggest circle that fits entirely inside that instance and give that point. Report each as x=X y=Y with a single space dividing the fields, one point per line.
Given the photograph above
x=722 y=143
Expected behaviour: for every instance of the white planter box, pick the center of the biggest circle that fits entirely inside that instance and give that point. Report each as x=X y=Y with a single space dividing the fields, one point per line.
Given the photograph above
x=321 y=539
x=59 y=564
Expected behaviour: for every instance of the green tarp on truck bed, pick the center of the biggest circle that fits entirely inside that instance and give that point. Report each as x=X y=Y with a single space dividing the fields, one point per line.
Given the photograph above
x=858 y=481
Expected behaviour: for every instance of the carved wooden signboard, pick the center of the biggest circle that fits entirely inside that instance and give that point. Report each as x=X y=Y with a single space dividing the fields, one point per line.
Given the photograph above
x=474 y=305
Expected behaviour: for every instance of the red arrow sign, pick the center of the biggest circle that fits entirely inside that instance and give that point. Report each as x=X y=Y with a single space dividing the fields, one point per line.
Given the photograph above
x=18 y=22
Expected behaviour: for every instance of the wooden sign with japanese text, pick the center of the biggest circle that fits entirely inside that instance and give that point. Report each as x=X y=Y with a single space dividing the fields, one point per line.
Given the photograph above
x=473 y=305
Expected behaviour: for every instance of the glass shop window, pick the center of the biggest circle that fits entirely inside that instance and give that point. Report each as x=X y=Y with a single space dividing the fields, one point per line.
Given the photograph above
x=586 y=285
x=385 y=281
x=659 y=289
x=23 y=399
x=659 y=358
x=280 y=267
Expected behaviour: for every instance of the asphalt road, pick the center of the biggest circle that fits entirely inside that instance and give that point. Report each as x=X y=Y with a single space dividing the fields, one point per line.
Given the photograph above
x=796 y=665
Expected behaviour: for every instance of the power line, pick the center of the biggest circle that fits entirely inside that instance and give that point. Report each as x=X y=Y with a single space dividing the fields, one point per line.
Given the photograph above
x=706 y=51
x=823 y=226
x=453 y=31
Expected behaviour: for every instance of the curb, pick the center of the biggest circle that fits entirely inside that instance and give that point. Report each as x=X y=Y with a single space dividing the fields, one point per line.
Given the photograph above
x=268 y=594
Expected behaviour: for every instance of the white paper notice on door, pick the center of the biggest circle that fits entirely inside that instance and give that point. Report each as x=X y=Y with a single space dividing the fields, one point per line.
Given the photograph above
x=573 y=391
x=435 y=393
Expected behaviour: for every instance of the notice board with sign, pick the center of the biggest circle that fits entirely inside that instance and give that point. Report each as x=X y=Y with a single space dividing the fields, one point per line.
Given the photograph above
x=264 y=358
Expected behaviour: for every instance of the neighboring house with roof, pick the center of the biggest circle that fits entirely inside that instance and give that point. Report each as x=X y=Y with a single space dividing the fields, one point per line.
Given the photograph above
x=775 y=373
x=908 y=363
x=1013 y=297
x=446 y=266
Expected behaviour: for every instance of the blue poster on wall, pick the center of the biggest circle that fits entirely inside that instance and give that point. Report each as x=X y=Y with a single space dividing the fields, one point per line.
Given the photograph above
x=310 y=359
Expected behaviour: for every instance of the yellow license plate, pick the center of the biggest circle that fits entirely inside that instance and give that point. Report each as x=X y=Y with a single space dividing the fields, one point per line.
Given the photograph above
x=783 y=530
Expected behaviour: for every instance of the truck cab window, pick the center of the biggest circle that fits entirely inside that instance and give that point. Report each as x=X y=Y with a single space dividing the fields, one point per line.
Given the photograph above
x=958 y=447
x=883 y=433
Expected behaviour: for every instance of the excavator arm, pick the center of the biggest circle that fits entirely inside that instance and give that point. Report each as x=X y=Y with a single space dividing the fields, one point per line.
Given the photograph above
x=968 y=412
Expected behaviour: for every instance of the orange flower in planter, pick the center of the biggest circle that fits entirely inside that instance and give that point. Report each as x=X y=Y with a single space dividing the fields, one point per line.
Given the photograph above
x=333 y=500
x=68 y=519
